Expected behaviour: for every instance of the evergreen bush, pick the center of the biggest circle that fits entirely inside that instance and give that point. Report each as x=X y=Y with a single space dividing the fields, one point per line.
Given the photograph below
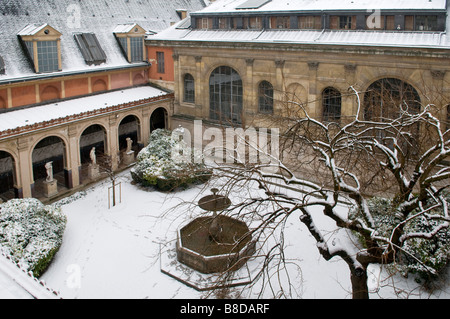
x=167 y=163
x=31 y=232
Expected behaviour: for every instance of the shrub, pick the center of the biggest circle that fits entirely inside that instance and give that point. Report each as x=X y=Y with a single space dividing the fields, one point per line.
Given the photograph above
x=419 y=256
x=167 y=163
x=31 y=232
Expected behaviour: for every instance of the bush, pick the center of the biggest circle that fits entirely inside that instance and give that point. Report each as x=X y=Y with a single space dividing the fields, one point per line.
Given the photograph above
x=167 y=163
x=418 y=255
x=31 y=232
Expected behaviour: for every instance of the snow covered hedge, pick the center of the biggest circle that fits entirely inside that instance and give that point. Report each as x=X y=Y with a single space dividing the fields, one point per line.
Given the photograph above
x=31 y=232
x=419 y=255
x=167 y=163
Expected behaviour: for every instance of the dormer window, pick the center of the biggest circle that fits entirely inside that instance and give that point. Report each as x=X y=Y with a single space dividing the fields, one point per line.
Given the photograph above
x=42 y=45
x=131 y=40
x=2 y=66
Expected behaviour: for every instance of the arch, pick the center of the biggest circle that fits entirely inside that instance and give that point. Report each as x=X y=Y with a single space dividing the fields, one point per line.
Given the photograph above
x=99 y=86
x=93 y=136
x=265 y=97
x=226 y=95
x=331 y=104
x=50 y=93
x=129 y=127
x=384 y=97
x=158 y=119
x=295 y=95
x=2 y=103
x=138 y=79
x=189 y=88
x=8 y=177
x=49 y=149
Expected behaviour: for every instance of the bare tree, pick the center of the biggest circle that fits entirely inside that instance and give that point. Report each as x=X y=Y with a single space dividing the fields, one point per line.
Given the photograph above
x=343 y=155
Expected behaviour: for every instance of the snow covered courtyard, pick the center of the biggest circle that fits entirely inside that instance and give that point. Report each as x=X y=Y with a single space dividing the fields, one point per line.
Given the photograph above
x=114 y=253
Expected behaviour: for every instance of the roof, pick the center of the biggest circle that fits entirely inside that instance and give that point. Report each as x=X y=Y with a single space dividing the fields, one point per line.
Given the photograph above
x=403 y=39
x=245 y=6
x=438 y=40
x=16 y=283
x=26 y=17
x=32 y=29
x=28 y=117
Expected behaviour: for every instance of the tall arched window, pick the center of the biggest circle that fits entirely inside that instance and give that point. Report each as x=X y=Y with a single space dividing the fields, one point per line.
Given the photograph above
x=383 y=101
x=225 y=93
x=447 y=124
x=386 y=97
x=331 y=103
x=265 y=97
x=189 y=89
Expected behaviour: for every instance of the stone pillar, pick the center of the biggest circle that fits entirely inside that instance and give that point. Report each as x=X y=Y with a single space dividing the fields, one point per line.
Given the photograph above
x=313 y=94
x=251 y=98
x=113 y=141
x=25 y=167
x=279 y=87
x=73 y=161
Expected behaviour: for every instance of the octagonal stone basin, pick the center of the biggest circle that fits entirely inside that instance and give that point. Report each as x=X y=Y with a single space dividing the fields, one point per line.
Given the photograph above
x=206 y=253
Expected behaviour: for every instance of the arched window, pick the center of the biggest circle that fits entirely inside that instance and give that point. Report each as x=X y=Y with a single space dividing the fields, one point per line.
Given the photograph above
x=383 y=101
x=225 y=92
x=189 y=89
x=265 y=97
x=331 y=103
x=386 y=97
x=447 y=124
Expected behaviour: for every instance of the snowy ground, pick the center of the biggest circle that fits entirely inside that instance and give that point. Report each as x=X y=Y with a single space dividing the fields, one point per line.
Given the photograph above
x=114 y=253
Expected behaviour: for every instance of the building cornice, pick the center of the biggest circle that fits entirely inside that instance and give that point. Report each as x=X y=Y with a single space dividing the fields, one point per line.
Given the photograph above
x=430 y=52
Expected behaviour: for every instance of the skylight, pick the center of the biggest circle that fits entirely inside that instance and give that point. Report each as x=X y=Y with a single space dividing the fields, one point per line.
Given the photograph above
x=253 y=4
x=90 y=48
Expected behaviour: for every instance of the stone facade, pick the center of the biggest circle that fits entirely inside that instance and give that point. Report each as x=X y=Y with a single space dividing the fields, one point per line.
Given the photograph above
x=307 y=70
x=21 y=143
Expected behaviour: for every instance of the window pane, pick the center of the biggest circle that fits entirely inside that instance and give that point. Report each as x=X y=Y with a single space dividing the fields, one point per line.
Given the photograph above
x=124 y=44
x=48 y=56
x=265 y=97
x=331 y=105
x=225 y=95
x=189 y=89
x=137 y=48
x=160 y=62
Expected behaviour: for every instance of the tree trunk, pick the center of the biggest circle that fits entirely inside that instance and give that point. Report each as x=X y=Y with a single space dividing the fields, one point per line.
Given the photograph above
x=358 y=278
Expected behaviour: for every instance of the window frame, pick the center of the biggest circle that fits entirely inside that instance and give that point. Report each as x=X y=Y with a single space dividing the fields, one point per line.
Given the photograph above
x=331 y=105
x=160 y=62
x=189 y=88
x=265 y=97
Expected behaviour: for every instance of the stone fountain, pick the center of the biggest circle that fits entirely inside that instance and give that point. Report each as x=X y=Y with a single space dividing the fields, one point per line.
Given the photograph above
x=214 y=243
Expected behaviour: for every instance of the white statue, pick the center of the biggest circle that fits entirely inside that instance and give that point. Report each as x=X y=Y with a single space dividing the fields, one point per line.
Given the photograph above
x=93 y=156
x=49 y=169
x=129 y=144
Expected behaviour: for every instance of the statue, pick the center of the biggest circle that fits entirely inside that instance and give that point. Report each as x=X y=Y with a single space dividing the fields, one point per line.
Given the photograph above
x=129 y=144
x=93 y=156
x=49 y=169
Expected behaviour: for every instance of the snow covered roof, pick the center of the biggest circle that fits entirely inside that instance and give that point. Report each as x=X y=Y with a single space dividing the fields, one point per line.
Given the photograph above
x=26 y=17
x=413 y=39
x=15 y=283
x=222 y=6
x=18 y=121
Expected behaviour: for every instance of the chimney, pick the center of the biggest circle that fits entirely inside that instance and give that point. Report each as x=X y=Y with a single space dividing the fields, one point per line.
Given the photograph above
x=182 y=13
